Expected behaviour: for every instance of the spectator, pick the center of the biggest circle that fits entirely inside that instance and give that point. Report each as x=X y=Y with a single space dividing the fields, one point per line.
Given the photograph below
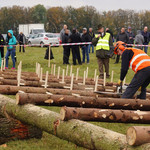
x=91 y=35
x=104 y=44
x=2 y=42
x=11 y=50
x=66 y=53
x=21 y=40
x=122 y=36
x=131 y=36
x=62 y=32
x=109 y=31
x=139 y=40
x=146 y=36
x=85 y=38
x=75 y=38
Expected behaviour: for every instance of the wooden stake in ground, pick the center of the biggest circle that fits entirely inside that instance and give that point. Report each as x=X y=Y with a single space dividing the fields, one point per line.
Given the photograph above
x=77 y=74
x=84 y=77
x=112 y=76
x=70 y=70
x=19 y=73
x=54 y=73
x=49 y=57
x=87 y=72
x=36 y=67
x=2 y=65
x=96 y=83
x=39 y=70
x=58 y=73
x=138 y=135
x=71 y=86
x=52 y=68
x=95 y=74
x=67 y=68
x=46 y=79
x=41 y=74
x=104 y=79
x=63 y=76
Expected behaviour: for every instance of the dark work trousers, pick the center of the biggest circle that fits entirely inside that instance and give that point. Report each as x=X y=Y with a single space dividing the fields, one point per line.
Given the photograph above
x=2 y=51
x=140 y=79
x=76 y=55
x=21 y=46
x=66 y=54
x=117 y=59
x=105 y=63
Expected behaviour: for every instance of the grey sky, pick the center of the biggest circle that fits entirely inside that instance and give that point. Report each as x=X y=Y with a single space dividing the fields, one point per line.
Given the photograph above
x=98 y=4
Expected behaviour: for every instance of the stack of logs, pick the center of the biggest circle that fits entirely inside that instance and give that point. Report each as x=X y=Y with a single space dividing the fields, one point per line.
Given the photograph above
x=93 y=106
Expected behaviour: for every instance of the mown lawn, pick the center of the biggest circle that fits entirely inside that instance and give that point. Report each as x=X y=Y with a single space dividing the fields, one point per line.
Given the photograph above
x=50 y=142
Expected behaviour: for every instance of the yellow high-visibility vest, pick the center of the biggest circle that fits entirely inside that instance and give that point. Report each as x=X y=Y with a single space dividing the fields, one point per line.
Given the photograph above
x=103 y=43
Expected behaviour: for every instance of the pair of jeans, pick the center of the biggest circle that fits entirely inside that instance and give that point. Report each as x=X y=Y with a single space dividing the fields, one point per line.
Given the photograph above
x=91 y=45
x=11 y=52
x=145 y=48
x=85 y=51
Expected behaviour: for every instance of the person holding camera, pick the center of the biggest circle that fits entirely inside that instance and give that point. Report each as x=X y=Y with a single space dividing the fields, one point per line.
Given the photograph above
x=104 y=44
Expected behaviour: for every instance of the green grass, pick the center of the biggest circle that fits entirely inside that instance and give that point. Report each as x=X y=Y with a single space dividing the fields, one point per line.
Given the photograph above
x=50 y=142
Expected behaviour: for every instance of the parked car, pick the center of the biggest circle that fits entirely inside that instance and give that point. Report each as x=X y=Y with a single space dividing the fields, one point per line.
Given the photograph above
x=58 y=36
x=43 y=39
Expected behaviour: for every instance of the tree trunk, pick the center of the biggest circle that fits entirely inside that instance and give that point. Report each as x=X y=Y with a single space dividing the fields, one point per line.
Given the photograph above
x=33 y=83
x=8 y=82
x=82 y=101
x=12 y=129
x=79 y=132
x=138 y=135
x=105 y=115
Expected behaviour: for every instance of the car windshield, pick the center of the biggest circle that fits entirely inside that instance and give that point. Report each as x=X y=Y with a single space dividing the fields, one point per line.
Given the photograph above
x=49 y=35
x=36 y=31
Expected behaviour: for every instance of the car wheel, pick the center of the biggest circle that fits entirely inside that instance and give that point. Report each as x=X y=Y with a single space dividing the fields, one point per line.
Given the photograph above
x=29 y=43
x=42 y=44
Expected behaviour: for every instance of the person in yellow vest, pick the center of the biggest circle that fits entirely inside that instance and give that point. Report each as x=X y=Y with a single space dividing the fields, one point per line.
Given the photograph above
x=139 y=62
x=104 y=43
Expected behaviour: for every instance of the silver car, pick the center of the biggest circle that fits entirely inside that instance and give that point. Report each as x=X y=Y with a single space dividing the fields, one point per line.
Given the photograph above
x=43 y=39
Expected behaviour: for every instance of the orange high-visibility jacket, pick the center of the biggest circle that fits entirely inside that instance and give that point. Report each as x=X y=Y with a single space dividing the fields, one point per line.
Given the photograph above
x=139 y=60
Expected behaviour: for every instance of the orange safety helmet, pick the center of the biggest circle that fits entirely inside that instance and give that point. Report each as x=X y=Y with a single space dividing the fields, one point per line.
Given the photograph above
x=121 y=45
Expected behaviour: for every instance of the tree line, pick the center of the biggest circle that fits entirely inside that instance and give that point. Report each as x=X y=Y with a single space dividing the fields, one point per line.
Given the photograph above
x=87 y=16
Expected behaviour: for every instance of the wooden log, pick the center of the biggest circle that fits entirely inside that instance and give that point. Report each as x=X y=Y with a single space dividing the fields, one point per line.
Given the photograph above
x=12 y=129
x=138 y=135
x=79 y=132
x=12 y=90
x=105 y=115
x=33 y=83
x=82 y=101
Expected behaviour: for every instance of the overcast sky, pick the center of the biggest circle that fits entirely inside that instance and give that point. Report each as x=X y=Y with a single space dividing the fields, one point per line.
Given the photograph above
x=100 y=5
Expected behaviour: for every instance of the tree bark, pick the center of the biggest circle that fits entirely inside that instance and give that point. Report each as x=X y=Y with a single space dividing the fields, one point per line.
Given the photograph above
x=105 y=115
x=137 y=135
x=79 y=132
x=82 y=101
x=12 y=129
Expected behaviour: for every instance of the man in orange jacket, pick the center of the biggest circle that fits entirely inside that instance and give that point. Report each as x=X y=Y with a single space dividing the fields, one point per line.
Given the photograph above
x=139 y=62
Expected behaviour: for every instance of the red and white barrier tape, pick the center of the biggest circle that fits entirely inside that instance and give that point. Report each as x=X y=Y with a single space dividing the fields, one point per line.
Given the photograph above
x=66 y=44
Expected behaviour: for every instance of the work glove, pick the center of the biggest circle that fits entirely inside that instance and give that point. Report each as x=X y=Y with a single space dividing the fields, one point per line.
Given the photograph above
x=120 y=83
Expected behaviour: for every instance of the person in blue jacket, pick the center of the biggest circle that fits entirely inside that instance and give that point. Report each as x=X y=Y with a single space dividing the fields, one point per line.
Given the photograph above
x=11 y=49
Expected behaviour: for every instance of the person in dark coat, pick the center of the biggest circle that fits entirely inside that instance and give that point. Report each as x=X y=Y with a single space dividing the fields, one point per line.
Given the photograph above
x=75 y=38
x=122 y=36
x=131 y=36
x=85 y=38
x=2 y=42
x=91 y=35
x=21 y=40
x=66 y=53
x=146 y=36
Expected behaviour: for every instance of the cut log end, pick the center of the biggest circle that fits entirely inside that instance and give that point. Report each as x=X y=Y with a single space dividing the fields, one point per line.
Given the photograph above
x=62 y=113
x=131 y=136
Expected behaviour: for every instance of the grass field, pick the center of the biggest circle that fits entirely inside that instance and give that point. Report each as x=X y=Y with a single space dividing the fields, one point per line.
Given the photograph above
x=50 y=142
